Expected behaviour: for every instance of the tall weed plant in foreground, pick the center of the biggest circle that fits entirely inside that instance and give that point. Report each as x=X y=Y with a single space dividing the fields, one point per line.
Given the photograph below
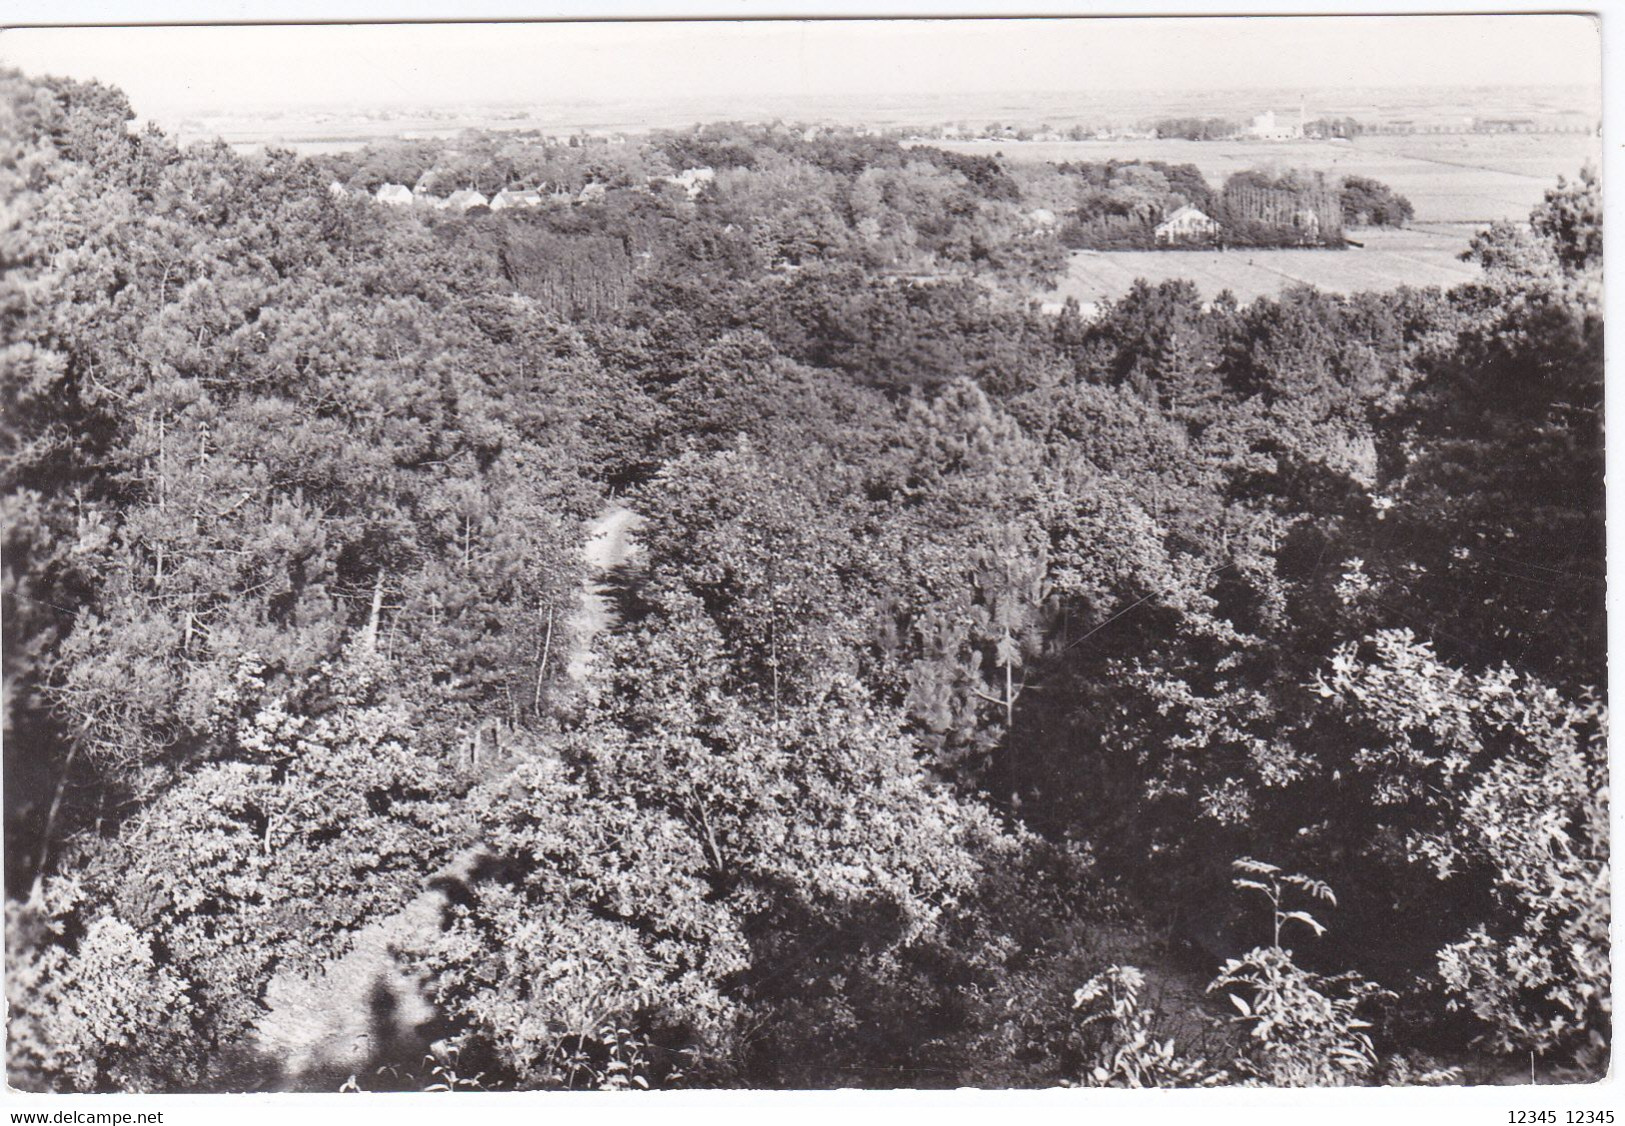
x=1303 y=1029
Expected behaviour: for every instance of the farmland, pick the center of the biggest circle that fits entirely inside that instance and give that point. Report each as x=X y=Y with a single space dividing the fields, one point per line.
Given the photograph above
x=1417 y=256
x=1451 y=178
x=1457 y=182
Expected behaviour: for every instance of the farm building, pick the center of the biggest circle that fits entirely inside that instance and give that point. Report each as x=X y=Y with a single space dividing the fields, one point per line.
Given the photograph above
x=396 y=195
x=466 y=199
x=1184 y=225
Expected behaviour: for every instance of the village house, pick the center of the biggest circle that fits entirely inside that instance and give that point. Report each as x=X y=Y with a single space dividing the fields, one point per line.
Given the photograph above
x=511 y=197
x=396 y=195
x=1185 y=225
x=691 y=180
x=466 y=200
x=593 y=193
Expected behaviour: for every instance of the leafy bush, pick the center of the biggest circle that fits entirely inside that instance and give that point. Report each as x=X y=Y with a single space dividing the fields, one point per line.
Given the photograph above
x=1124 y=1050
x=1307 y=1028
x=91 y=1008
x=1505 y=789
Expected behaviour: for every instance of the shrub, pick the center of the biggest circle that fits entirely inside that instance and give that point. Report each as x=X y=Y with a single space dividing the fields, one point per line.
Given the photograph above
x=1124 y=1052
x=94 y=1012
x=1307 y=1028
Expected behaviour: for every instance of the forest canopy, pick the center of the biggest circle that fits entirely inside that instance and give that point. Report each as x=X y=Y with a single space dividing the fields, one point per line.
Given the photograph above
x=1199 y=693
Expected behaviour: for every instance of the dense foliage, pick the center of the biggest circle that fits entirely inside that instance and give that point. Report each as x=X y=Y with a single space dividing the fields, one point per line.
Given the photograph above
x=963 y=650
x=1371 y=203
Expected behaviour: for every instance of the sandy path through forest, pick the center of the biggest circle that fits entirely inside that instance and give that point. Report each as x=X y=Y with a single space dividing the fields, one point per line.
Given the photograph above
x=362 y=1008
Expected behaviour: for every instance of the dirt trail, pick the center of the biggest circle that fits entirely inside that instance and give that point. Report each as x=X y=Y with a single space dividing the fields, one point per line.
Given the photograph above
x=609 y=545
x=363 y=1007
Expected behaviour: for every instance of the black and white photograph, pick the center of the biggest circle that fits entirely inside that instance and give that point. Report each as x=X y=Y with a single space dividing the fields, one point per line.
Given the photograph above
x=802 y=555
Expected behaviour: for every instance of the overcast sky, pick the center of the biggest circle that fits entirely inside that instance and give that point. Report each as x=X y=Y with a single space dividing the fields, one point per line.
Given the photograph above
x=174 y=70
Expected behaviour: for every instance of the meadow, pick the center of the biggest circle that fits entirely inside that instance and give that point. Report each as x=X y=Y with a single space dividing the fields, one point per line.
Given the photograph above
x=1418 y=256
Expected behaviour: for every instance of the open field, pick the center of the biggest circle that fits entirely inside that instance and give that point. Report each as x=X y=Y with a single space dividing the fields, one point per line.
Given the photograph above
x=1418 y=256
x=1450 y=178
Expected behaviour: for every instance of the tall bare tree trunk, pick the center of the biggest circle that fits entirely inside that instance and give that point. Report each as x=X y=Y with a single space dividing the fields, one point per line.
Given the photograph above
x=541 y=665
x=50 y=826
x=369 y=639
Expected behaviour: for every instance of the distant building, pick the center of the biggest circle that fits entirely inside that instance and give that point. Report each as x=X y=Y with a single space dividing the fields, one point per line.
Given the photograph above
x=1184 y=225
x=337 y=190
x=1503 y=125
x=466 y=200
x=508 y=197
x=1265 y=127
x=592 y=193
x=1041 y=217
x=691 y=180
x=396 y=195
